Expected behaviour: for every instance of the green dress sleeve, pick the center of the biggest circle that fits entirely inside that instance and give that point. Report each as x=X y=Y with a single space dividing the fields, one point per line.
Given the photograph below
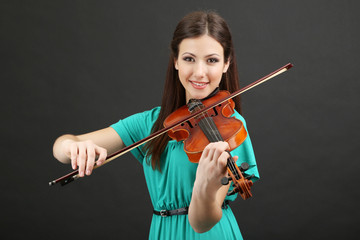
x=135 y=128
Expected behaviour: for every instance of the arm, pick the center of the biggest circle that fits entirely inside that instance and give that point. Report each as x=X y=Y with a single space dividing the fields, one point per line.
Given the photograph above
x=81 y=150
x=208 y=192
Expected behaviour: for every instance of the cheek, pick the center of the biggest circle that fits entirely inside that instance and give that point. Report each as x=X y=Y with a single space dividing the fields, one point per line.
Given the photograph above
x=182 y=78
x=216 y=75
x=183 y=74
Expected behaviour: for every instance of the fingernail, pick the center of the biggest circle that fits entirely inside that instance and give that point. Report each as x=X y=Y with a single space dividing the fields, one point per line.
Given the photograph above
x=87 y=172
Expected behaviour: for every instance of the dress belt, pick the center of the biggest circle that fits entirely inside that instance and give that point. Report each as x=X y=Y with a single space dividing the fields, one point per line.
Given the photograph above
x=182 y=211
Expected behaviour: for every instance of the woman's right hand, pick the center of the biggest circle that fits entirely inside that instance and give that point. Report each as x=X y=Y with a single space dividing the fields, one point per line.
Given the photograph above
x=83 y=154
x=83 y=150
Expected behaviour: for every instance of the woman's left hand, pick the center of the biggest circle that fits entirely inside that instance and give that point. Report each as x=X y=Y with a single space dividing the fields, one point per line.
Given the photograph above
x=208 y=192
x=212 y=168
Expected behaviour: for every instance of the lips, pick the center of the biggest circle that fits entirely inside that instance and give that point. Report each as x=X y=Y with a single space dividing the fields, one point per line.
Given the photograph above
x=198 y=85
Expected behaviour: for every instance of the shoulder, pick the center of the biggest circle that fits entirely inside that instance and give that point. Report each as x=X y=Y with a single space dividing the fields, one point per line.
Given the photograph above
x=152 y=114
x=136 y=126
x=147 y=117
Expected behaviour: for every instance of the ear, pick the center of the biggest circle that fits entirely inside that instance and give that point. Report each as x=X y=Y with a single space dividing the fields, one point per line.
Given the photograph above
x=176 y=64
x=226 y=65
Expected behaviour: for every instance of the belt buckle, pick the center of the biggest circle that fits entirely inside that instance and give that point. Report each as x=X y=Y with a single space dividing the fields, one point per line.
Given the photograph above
x=164 y=213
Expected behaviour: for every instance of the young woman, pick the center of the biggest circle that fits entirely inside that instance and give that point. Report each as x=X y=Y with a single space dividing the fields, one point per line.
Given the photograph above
x=202 y=60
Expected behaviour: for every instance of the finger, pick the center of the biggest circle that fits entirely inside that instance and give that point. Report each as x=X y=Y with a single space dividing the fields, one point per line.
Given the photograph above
x=204 y=154
x=102 y=152
x=220 y=148
x=90 y=152
x=211 y=149
x=81 y=159
x=73 y=155
x=235 y=158
x=224 y=146
x=223 y=159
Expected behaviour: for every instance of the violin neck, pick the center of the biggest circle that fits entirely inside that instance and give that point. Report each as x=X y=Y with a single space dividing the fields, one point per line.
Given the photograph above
x=206 y=122
x=208 y=127
x=231 y=166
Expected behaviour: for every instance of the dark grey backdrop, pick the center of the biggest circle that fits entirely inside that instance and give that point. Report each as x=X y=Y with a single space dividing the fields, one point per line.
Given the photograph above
x=77 y=66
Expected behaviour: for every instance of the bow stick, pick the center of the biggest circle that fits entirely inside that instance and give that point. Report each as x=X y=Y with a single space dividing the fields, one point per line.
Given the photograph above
x=75 y=174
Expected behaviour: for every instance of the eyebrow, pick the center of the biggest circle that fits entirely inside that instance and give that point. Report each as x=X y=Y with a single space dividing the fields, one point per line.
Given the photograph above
x=209 y=55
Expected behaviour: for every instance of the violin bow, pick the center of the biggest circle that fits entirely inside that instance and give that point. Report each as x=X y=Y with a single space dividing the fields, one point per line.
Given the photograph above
x=75 y=174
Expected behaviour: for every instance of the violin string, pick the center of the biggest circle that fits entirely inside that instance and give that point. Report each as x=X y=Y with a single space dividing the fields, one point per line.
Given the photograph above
x=230 y=162
x=214 y=133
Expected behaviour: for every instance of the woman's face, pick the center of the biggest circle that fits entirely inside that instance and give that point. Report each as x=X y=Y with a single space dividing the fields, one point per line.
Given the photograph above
x=200 y=65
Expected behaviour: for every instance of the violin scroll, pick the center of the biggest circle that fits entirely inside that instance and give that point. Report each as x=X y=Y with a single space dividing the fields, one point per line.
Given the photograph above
x=241 y=184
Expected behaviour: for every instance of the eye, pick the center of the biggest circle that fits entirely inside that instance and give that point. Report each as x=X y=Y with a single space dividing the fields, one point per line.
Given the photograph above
x=213 y=60
x=189 y=59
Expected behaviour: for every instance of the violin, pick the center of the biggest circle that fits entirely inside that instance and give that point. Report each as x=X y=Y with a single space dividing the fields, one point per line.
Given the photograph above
x=213 y=125
x=219 y=108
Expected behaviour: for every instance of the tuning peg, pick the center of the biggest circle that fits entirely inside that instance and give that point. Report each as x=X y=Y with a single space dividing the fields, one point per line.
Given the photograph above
x=250 y=177
x=244 y=166
x=225 y=180
x=232 y=192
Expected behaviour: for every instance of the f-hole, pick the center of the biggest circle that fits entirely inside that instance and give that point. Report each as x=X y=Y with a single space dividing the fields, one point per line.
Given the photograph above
x=215 y=112
x=189 y=123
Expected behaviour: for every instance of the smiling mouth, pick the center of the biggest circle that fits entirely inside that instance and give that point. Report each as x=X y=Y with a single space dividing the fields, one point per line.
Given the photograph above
x=199 y=84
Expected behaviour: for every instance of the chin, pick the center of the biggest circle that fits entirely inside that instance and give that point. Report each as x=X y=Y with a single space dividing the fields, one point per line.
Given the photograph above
x=198 y=96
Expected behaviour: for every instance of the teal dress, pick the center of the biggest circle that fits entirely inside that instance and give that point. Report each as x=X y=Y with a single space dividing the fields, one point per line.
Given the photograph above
x=172 y=187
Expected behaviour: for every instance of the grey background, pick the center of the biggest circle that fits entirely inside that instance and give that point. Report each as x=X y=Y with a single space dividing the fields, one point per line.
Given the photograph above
x=78 y=66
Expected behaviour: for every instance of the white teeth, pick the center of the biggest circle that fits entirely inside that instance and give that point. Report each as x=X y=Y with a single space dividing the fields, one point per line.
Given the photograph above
x=198 y=84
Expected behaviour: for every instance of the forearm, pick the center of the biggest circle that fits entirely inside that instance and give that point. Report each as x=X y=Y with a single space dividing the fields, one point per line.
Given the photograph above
x=208 y=192
x=205 y=208
x=58 y=148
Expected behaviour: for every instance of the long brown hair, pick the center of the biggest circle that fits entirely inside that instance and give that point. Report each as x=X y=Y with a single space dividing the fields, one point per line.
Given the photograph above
x=193 y=25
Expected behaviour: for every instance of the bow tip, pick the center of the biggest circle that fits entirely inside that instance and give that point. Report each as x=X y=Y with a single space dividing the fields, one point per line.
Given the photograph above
x=289 y=65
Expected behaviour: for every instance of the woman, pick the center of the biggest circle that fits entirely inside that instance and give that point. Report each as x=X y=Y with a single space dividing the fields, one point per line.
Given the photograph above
x=202 y=59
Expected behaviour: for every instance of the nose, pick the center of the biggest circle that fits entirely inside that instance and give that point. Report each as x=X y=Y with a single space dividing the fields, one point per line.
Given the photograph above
x=199 y=70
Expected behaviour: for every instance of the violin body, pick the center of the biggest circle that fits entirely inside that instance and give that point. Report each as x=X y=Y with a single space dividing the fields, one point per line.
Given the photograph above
x=212 y=125
x=195 y=140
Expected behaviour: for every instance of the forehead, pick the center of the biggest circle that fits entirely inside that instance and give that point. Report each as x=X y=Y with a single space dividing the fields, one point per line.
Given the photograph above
x=203 y=45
